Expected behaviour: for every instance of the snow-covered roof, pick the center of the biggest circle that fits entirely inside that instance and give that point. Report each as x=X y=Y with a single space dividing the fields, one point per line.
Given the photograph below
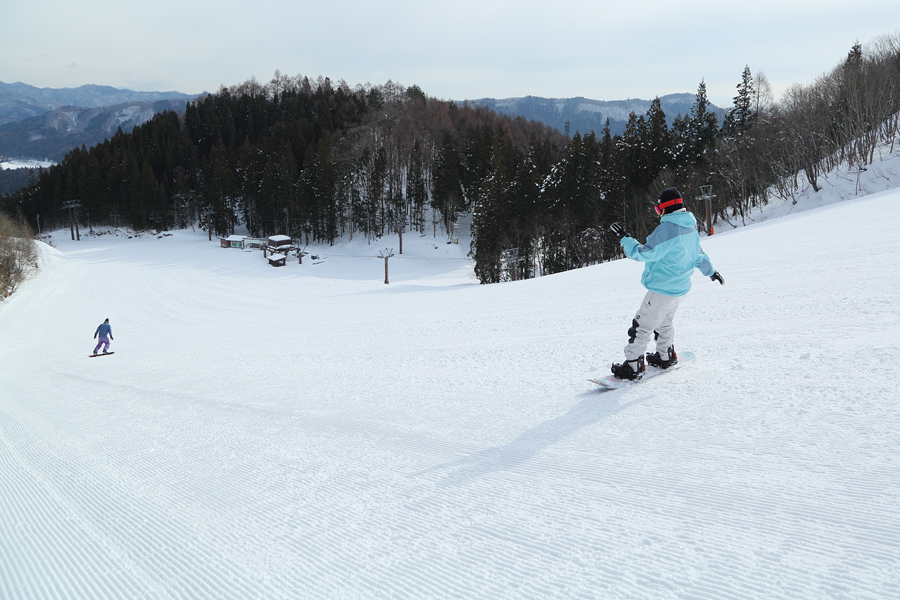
x=279 y=238
x=235 y=238
x=276 y=256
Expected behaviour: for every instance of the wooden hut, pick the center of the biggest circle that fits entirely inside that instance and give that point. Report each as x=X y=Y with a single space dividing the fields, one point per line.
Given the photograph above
x=277 y=260
x=280 y=243
x=232 y=241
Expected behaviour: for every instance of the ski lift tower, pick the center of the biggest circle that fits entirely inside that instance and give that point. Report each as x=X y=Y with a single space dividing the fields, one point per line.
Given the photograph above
x=386 y=254
x=512 y=261
x=399 y=224
x=72 y=208
x=706 y=195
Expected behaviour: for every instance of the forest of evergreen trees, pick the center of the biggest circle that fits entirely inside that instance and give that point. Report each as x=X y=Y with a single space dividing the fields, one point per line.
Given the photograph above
x=320 y=161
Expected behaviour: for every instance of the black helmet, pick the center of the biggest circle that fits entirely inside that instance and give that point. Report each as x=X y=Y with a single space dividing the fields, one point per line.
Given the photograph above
x=669 y=201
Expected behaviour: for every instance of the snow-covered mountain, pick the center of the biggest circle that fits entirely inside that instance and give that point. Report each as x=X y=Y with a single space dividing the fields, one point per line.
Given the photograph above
x=46 y=123
x=52 y=135
x=21 y=101
x=310 y=432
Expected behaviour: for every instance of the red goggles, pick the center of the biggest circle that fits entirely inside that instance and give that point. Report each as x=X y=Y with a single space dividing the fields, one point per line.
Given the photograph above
x=662 y=207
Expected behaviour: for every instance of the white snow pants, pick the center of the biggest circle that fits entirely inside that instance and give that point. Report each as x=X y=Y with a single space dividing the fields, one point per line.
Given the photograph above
x=655 y=318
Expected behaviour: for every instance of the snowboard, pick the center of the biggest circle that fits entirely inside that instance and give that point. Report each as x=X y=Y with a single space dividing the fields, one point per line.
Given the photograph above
x=612 y=383
x=101 y=354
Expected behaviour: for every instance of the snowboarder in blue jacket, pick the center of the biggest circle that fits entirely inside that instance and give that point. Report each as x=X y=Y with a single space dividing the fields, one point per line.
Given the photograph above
x=105 y=333
x=671 y=254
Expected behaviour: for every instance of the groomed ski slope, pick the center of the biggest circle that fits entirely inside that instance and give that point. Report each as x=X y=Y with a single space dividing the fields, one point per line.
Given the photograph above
x=310 y=432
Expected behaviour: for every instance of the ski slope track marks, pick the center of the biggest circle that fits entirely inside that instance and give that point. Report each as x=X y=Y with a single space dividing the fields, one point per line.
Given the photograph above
x=309 y=432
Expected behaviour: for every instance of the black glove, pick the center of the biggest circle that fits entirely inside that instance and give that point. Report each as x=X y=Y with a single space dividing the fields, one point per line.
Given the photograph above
x=619 y=230
x=716 y=277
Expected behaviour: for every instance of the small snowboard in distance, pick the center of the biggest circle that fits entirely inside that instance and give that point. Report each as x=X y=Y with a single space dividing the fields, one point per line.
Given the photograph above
x=611 y=383
x=101 y=354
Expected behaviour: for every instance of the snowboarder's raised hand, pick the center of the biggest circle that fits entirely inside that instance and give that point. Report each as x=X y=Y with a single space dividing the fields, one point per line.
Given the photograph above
x=716 y=277
x=619 y=230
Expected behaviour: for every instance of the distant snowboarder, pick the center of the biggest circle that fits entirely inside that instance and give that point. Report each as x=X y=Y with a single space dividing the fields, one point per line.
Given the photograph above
x=104 y=330
x=672 y=252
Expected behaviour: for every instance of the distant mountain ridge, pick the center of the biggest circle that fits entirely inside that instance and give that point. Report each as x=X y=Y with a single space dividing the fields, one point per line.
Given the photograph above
x=585 y=115
x=53 y=134
x=46 y=123
x=21 y=101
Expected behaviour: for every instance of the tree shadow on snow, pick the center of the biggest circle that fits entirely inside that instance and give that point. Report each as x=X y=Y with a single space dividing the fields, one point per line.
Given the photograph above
x=590 y=410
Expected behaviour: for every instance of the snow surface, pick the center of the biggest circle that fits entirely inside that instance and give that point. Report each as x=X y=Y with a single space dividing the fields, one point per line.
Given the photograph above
x=25 y=163
x=310 y=432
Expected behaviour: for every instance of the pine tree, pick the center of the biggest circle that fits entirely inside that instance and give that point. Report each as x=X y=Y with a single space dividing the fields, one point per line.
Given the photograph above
x=491 y=221
x=659 y=144
x=704 y=125
x=528 y=215
x=633 y=149
x=446 y=192
x=855 y=56
x=741 y=117
x=416 y=191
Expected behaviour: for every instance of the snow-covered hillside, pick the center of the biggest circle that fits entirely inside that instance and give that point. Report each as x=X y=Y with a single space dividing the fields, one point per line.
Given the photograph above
x=25 y=163
x=310 y=432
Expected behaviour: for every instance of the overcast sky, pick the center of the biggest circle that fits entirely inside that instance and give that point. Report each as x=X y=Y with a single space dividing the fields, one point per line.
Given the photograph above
x=456 y=50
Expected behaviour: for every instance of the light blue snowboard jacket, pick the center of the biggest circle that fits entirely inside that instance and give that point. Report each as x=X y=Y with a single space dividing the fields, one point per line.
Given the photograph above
x=672 y=252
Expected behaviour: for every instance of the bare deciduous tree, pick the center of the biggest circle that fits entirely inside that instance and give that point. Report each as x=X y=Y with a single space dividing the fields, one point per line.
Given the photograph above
x=17 y=253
